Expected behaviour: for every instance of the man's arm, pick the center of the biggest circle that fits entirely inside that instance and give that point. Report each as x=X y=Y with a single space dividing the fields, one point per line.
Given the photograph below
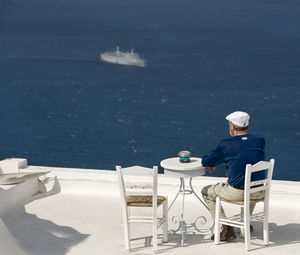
x=216 y=157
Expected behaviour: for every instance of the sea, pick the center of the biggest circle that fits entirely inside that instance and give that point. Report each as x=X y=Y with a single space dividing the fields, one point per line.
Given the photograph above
x=61 y=106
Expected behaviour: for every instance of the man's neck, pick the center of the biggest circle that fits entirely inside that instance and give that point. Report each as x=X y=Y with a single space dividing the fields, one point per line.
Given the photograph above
x=237 y=133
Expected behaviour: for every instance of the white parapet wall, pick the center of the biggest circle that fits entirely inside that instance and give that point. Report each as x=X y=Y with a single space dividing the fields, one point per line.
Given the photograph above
x=12 y=165
x=105 y=182
x=20 y=186
x=12 y=196
x=94 y=181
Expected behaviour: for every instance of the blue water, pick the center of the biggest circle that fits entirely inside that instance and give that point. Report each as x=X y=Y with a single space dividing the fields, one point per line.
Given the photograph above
x=61 y=106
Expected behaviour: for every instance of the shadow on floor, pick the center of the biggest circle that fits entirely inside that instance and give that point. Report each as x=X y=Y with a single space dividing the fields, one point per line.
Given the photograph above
x=278 y=235
x=284 y=234
x=138 y=244
x=41 y=237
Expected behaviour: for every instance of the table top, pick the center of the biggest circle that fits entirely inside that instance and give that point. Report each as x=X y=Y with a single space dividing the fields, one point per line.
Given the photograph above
x=173 y=164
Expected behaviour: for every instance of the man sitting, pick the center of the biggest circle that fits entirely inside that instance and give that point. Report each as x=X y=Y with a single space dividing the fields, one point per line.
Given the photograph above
x=237 y=151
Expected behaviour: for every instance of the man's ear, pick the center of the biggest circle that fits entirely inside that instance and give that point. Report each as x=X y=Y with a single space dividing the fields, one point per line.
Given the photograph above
x=232 y=128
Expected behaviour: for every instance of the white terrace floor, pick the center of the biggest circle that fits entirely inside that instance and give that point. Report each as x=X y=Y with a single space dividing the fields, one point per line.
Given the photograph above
x=85 y=218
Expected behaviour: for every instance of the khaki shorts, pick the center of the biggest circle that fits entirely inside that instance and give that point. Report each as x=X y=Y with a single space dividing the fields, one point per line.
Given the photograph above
x=224 y=190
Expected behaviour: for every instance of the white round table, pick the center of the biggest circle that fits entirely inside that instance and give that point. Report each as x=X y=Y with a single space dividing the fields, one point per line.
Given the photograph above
x=173 y=167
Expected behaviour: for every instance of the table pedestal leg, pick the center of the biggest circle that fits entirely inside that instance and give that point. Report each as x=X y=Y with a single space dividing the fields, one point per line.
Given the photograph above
x=182 y=224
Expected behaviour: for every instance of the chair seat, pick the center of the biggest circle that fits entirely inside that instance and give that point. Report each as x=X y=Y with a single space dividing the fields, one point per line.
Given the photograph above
x=143 y=201
x=252 y=201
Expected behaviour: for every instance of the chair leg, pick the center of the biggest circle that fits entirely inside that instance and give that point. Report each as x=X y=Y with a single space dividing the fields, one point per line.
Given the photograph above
x=217 y=221
x=165 y=224
x=154 y=234
x=127 y=235
x=125 y=214
x=247 y=228
x=247 y=237
x=266 y=232
x=266 y=229
x=242 y=234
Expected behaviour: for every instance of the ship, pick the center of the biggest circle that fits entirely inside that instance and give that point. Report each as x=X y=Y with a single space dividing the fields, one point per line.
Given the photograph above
x=123 y=58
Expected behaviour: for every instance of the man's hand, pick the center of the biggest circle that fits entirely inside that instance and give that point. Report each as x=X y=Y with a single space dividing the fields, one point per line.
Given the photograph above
x=210 y=169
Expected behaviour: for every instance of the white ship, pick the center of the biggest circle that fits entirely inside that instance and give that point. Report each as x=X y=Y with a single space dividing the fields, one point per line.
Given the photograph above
x=123 y=58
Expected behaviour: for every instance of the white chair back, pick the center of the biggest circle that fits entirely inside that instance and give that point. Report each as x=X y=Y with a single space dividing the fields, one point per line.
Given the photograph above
x=138 y=182
x=261 y=185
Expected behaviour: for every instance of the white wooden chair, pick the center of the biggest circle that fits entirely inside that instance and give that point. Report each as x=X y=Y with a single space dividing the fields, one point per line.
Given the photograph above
x=135 y=193
x=243 y=219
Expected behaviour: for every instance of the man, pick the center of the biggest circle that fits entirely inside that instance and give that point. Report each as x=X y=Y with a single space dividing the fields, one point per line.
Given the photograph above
x=237 y=151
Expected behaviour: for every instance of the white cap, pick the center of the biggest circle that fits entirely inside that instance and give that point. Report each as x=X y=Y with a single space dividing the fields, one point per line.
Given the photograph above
x=240 y=119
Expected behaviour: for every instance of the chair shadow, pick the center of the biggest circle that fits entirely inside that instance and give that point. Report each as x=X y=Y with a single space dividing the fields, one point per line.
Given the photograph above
x=283 y=234
x=38 y=236
x=278 y=235
x=173 y=243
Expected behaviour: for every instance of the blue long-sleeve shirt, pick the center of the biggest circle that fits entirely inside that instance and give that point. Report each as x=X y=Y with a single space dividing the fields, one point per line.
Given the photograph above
x=237 y=152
